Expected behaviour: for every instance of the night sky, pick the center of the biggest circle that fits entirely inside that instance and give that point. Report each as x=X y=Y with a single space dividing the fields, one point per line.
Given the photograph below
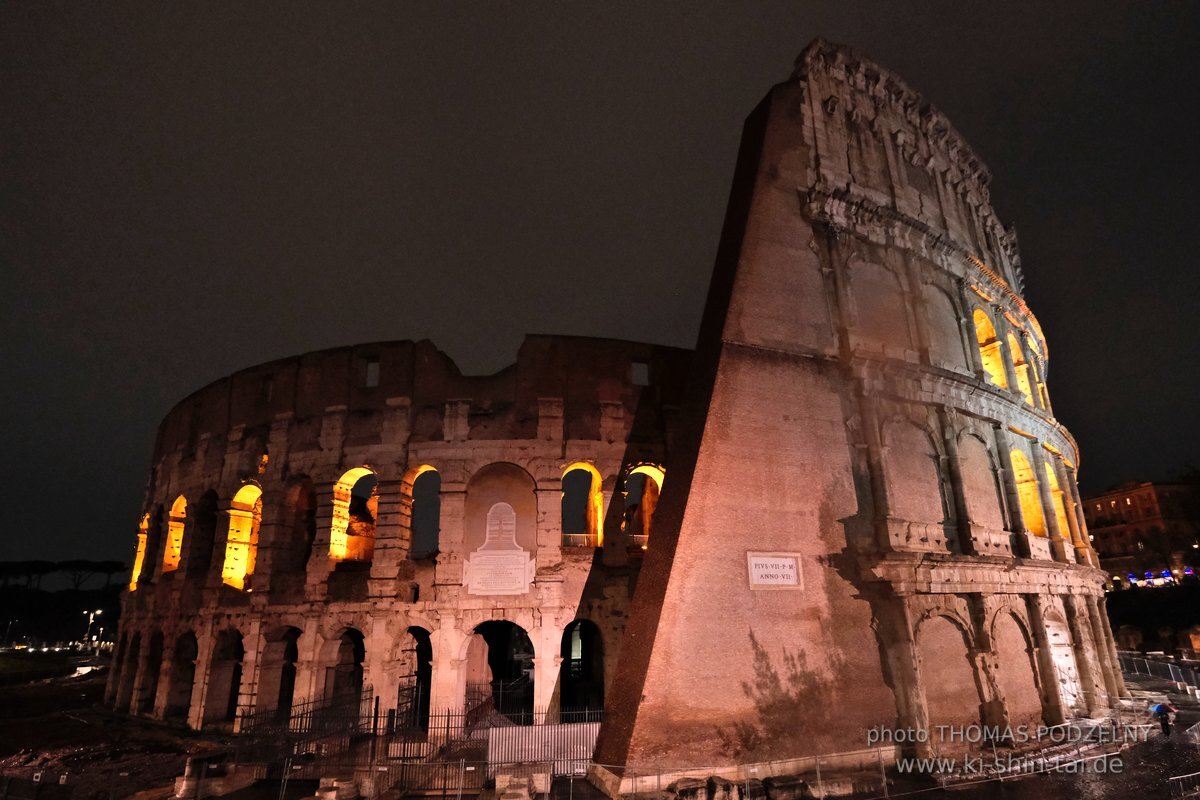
x=190 y=189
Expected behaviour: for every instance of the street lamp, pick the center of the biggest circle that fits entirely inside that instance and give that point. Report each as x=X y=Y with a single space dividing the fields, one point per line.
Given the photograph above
x=91 y=615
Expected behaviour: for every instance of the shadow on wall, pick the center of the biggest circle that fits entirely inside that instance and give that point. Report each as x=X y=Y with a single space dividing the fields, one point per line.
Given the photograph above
x=794 y=708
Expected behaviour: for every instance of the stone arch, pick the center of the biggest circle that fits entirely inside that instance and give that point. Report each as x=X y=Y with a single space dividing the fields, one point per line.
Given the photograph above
x=991 y=349
x=948 y=678
x=422 y=488
x=277 y=676
x=1028 y=493
x=981 y=481
x=1062 y=657
x=582 y=506
x=176 y=524
x=182 y=676
x=495 y=483
x=946 y=346
x=880 y=310
x=581 y=671
x=224 y=678
x=642 y=486
x=241 y=544
x=202 y=535
x=343 y=658
x=355 y=506
x=1017 y=673
x=499 y=671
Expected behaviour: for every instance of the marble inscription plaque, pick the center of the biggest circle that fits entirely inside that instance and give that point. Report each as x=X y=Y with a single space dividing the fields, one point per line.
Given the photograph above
x=500 y=566
x=774 y=570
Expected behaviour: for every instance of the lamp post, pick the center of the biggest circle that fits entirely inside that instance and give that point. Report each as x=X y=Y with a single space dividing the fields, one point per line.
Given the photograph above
x=91 y=615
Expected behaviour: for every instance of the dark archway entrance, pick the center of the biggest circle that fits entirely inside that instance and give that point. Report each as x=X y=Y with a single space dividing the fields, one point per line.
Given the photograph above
x=277 y=684
x=344 y=678
x=500 y=672
x=581 y=674
x=412 y=705
x=181 y=677
x=224 y=678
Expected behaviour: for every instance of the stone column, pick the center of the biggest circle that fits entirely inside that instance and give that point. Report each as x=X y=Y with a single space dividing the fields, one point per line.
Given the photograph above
x=205 y=642
x=896 y=620
x=319 y=562
x=1052 y=704
x=879 y=495
x=137 y=701
x=310 y=683
x=1010 y=370
x=1085 y=540
x=274 y=533
x=547 y=640
x=454 y=508
x=974 y=357
x=247 y=690
x=548 y=526
x=391 y=539
x=1114 y=679
x=1012 y=499
x=448 y=680
x=953 y=472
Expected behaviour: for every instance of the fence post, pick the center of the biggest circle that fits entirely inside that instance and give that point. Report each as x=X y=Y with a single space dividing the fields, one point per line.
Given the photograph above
x=883 y=773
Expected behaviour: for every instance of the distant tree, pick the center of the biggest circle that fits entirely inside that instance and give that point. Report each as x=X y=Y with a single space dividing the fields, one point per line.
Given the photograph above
x=78 y=571
x=34 y=571
x=110 y=568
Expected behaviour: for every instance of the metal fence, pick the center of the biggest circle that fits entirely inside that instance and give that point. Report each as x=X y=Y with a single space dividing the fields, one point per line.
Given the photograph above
x=1137 y=664
x=1186 y=785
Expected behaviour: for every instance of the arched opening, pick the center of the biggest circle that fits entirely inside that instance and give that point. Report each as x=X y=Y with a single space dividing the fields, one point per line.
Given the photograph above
x=981 y=487
x=241 y=545
x=182 y=677
x=880 y=313
x=412 y=704
x=224 y=678
x=643 y=484
x=1028 y=494
x=426 y=513
x=204 y=533
x=173 y=547
x=581 y=674
x=129 y=663
x=944 y=329
x=582 y=507
x=991 y=351
x=344 y=677
x=355 y=504
x=277 y=680
x=1022 y=701
x=139 y=557
x=144 y=702
x=500 y=672
x=916 y=486
x=1020 y=368
x=948 y=678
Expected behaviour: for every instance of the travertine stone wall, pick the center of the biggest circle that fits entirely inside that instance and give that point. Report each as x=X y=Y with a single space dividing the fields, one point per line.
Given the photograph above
x=844 y=416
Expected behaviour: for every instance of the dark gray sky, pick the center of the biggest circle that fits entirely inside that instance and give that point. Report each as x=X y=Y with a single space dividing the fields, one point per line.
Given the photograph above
x=189 y=189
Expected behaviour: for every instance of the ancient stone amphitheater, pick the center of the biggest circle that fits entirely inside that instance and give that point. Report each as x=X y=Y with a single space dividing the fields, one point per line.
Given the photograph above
x=869 y=514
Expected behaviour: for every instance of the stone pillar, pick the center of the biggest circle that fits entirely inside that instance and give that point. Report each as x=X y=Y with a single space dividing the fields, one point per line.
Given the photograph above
x=391 y=538
x=274 y=537
x=449 y=679
x=953 y=472
x=252 y=647
x=1052 y=704
x=1012 y=499
x=967 y=323
x=379 y=643
x=319 y=562
x=1010 y=370
x=548 y=526
x=449 y=567
x=1084 y=648
x=310 y=682
x=896 y=620
x=1072 y=486
x=547 y=640
x=205 y=642
x=138 y=700
x=1106 y=647
x=879 y=497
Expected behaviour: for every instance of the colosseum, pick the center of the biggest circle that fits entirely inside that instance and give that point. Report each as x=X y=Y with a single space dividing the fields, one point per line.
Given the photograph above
x=869 y=513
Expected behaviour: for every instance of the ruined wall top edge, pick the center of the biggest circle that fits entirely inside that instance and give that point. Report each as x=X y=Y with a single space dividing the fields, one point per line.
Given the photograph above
x=926 y=172
x=366 y=379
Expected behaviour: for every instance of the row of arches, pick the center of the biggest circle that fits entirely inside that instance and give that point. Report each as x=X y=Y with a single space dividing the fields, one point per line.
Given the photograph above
x=171 y=680
x=183 y=537
x=1008 y=360
x=959 y=484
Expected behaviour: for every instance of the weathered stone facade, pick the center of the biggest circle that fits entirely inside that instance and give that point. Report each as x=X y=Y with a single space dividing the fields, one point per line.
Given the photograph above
x=332 y=598
x=871 y=516
x=869 y=410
